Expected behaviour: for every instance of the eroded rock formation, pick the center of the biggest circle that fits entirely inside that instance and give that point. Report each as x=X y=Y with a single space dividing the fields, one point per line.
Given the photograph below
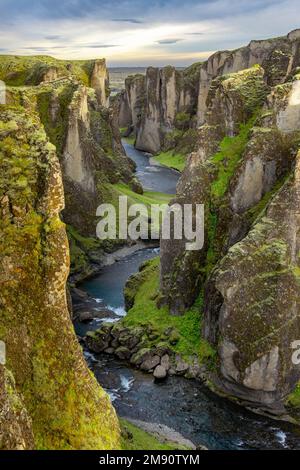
x=151 y=104
x=245 y=172
x=49 y=399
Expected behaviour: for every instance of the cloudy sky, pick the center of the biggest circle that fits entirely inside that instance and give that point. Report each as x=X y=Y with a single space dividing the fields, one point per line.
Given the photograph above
x=145 y=32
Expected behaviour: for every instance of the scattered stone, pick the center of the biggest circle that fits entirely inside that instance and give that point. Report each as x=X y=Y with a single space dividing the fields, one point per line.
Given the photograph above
x=150 y=363
x=140 y=356
x=160 y=372
x=97 y=341
x=85 y=316
x=123 y=353
x=162 y=349
x=109 y=350
x=165 y=362
x=181 y=366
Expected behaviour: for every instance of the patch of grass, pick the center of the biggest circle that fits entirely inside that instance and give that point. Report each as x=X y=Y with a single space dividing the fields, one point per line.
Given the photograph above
x=228 y=157
x=129 y=140
x=149 y=197
x=187 y=327
x=134 y=438
x=176 y=161
x=294 y=398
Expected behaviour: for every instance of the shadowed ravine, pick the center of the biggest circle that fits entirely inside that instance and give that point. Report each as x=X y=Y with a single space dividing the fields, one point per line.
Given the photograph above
x=184 y=405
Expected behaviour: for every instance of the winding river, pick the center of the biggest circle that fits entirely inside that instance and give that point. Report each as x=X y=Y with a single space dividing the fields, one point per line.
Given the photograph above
x=184 y=405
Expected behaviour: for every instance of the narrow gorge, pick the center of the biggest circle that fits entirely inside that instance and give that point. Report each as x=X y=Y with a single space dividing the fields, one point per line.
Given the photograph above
x=94 y=328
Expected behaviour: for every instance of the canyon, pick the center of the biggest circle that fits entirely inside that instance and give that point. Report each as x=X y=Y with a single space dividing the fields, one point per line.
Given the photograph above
x=225 y=315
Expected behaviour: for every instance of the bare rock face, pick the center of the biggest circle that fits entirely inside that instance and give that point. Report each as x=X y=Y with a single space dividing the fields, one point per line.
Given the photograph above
x=258 y=316
x=124 y=111
x=279 y=57
x=48 y=381
x=149 y=134
x=154 y=102
x=135 y=88
x=246 y=172
x=99 y=81
x=76 y=166
x=50 y=74
x=231 y=100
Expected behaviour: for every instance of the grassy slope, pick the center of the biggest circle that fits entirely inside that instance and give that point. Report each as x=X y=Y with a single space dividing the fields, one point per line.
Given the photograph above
x=134 y=438
x=20 y=70
x=149 y=197
x=294 y=398
x=187 y=327
x=176 y=161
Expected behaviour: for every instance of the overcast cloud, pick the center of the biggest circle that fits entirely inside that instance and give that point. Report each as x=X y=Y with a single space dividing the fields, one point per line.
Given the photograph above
x=134 y=32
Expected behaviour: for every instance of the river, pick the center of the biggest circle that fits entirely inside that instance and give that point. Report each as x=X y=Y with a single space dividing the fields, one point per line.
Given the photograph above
x=186 y=406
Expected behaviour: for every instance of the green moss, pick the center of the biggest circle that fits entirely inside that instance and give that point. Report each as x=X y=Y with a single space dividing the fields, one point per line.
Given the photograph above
x=171 y=160
x=250 y=85
x=69 y=410
x=182 y=120
x=294 y=398
x=28 y=70
x=130 y=140
x=134 y=438
x=228 y=157
x=148 y=198
x=56 y=131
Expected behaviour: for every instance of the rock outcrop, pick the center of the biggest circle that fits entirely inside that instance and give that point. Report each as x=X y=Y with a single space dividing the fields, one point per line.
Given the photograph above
x=99 y=81
x=86 y=135
x=33 y=70
x=152 y=104
x=232 y=100
x=278 y=56
x=132 y=101
x=257 y=318
x=48 y=397
x=245 y=172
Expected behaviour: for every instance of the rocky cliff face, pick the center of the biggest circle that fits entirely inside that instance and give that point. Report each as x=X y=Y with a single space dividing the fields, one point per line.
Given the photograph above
x=33 y=70
x=86 y=135
x=277 y=56
x=132 y=101
x=256 y=318
x=245 y=173
x=49 y=399
x=151 y=104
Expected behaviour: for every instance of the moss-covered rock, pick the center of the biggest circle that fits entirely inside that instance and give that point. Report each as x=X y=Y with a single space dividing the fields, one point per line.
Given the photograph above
x=67 y=407
x=257 y=317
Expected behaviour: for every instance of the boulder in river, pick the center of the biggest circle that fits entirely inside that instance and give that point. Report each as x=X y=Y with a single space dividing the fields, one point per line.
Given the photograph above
x=150 y=363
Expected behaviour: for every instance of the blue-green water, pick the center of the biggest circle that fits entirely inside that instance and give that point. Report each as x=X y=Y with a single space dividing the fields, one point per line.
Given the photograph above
x=153 y=177
x=108 y=286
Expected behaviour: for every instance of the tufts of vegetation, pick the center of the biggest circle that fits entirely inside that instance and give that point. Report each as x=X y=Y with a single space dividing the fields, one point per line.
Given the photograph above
x=185 y=338
x=134 y=438
x=293 y=399
x=171 y=160
x=227 y=159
